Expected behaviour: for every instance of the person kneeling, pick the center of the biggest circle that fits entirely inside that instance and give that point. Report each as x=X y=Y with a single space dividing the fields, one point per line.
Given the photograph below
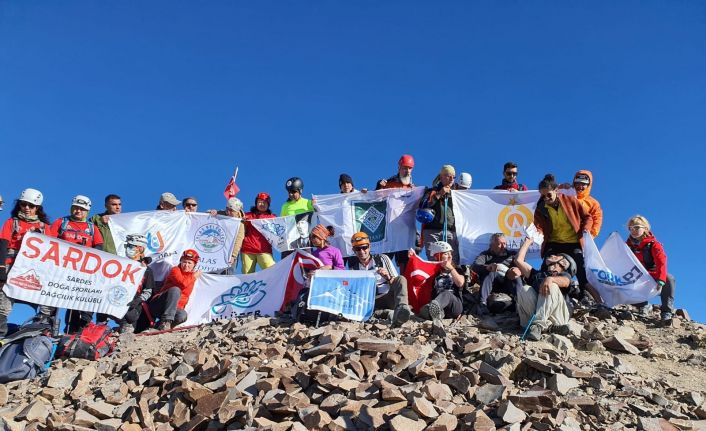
x=448 y=285
x=391 y=287
x=542 y=303
x=168 y=304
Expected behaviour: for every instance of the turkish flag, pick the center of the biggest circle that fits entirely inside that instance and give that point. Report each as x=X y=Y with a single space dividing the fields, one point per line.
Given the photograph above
x=231 y=190
x=298 y=275
x=420 y=276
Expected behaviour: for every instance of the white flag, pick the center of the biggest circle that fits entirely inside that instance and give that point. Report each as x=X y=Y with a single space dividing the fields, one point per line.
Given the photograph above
x=387 y=216
x=348 y=293
x=616 y=273
x=480 y=213
x=229 y=296
x=57 y=273
x=169 y=233
x=285 y=233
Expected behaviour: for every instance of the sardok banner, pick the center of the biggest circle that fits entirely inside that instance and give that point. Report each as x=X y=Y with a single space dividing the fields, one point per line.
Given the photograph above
x=169 y=233
x=616 y=273
x=480 y=213
x=285 y=233
x=387 y=216
x=49 y=271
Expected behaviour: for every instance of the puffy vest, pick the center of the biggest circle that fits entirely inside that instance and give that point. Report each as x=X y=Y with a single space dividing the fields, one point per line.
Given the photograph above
x=80 y=237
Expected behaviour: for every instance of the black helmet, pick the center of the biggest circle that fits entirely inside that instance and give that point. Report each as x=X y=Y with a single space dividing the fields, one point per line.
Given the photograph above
x=294 y=184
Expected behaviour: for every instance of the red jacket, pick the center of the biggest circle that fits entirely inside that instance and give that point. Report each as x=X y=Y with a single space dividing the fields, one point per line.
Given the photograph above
x=578 y=217
x=255 y=242
x=652 y=256
x=14 y=236
x=183 y=280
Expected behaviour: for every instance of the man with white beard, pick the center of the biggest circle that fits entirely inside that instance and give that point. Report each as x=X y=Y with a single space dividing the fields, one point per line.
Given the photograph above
x=403 y=180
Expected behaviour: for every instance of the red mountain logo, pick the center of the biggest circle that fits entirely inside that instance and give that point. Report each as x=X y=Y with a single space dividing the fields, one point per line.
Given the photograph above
x=28 y=280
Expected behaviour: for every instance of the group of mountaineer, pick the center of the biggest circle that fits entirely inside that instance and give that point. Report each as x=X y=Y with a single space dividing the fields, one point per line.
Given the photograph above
x=540 y=296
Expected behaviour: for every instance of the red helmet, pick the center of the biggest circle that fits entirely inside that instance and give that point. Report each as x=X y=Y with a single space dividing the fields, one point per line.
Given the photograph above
x=406 y=160
x=191 y=255
x=263 y=196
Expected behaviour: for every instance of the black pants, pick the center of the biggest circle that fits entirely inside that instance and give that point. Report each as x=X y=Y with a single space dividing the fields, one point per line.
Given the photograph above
x=450 y=303
x=494 y=282
x=77 y=320
x=573 y=250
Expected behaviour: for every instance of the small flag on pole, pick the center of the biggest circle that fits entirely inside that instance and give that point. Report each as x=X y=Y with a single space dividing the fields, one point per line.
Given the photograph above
x=232 y=189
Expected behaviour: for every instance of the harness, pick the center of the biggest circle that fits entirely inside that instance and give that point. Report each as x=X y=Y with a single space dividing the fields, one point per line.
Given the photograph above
x=17 y=235
x=82 y=237
x=376 y=258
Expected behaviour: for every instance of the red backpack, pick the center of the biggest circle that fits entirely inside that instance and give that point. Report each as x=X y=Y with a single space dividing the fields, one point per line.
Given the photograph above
x=92 y=342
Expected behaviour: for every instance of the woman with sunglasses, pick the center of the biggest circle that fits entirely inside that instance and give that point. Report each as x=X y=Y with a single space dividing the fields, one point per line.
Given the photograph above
x=256 y=250
x=27 y=216
x=651 y=254
x=331 y=257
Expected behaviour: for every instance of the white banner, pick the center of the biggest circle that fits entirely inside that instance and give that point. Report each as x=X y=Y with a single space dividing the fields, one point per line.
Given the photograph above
x=49 y=271
x=387 y=216
x=481 y=213
x=229 y=296
x=285 y=233
x=616 y=273
x=348 y=293
x=169 y=233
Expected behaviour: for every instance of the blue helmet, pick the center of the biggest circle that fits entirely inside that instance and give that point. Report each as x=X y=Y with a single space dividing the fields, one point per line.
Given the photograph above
x=425 y=215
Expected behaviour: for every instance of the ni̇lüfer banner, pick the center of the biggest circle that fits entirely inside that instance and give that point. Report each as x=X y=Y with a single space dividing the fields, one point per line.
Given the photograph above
x=387 y=216
x=616 y=273
x=285 y=233
x=347 y=293
x=262 y=293
x=481 y=213
x=169 y=233
x=57 y=273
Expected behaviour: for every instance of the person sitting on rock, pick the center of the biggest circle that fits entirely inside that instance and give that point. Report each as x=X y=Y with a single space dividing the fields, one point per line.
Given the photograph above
x=492 y=268
x=542 y=303
x=448 y=285
x=168 y=304
x=135 y=245
x=391 y=287
x=331 y=256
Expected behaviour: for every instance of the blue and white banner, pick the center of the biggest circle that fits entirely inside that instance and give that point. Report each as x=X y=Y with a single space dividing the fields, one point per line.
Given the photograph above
x=169 y=233
x=285 y=233
x=616 y=273
x=228 y=296
x=347 y=293
x=387 y=216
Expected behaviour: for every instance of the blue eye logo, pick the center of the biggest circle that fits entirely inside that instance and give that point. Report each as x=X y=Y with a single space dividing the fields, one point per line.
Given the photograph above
x=244 y=296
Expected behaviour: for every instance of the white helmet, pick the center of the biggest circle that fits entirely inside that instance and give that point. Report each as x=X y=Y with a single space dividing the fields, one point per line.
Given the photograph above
x=439 y=247
x=32 y=196
x=81 y=201
x=136 y=239
x=464 y=180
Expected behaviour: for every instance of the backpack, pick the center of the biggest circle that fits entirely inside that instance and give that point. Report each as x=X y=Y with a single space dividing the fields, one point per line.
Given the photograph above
x=92 y=342
x=23 y=354
x=301 y=313
x=81 y=237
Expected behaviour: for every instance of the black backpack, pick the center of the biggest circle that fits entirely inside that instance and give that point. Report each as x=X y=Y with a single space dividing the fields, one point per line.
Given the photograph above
x=24 y=353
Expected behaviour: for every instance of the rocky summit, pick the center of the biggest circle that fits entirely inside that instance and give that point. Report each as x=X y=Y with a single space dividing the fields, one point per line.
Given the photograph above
x=616 y=371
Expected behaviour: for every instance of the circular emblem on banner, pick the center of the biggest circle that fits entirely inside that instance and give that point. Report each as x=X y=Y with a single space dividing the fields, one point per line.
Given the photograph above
x=512 y=220
x=210 y=238
x=117 y=296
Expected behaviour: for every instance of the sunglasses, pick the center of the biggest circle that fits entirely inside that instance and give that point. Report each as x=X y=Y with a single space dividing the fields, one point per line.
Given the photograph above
x=27 y=204
x=363 y=247
x=190 y=204
x=636 y=227
x=511 y=173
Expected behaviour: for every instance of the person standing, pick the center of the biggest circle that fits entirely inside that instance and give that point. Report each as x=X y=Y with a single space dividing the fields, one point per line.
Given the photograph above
x=442 y=224
x=190 y=204
x=582 y=184
x=113 y=205
x=256 y=250
x=510 y=179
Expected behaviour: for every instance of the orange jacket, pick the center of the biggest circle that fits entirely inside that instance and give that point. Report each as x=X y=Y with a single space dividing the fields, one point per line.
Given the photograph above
x=579 y=218
x=590 y=204
x=183 y=280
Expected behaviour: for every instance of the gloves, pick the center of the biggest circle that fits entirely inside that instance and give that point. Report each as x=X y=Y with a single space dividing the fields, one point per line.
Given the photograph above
x=3 y=274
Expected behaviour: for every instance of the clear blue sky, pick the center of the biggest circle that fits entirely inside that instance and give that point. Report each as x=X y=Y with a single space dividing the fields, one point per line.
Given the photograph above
x=138 y=98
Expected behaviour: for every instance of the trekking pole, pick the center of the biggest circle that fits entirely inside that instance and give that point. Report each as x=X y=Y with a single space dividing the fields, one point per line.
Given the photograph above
x=524 y=334
x=446 y=208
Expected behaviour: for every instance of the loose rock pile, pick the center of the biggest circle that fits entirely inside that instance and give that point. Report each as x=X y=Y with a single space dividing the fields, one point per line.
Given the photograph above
x=267 y=373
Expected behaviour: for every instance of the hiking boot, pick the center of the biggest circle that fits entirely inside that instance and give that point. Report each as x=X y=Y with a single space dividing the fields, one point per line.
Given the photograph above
x=436 y=313
x=534 y=333
x=165 y=325
x=667 y=318
x=561 y=329
x=482 y=310
x=401 y=315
